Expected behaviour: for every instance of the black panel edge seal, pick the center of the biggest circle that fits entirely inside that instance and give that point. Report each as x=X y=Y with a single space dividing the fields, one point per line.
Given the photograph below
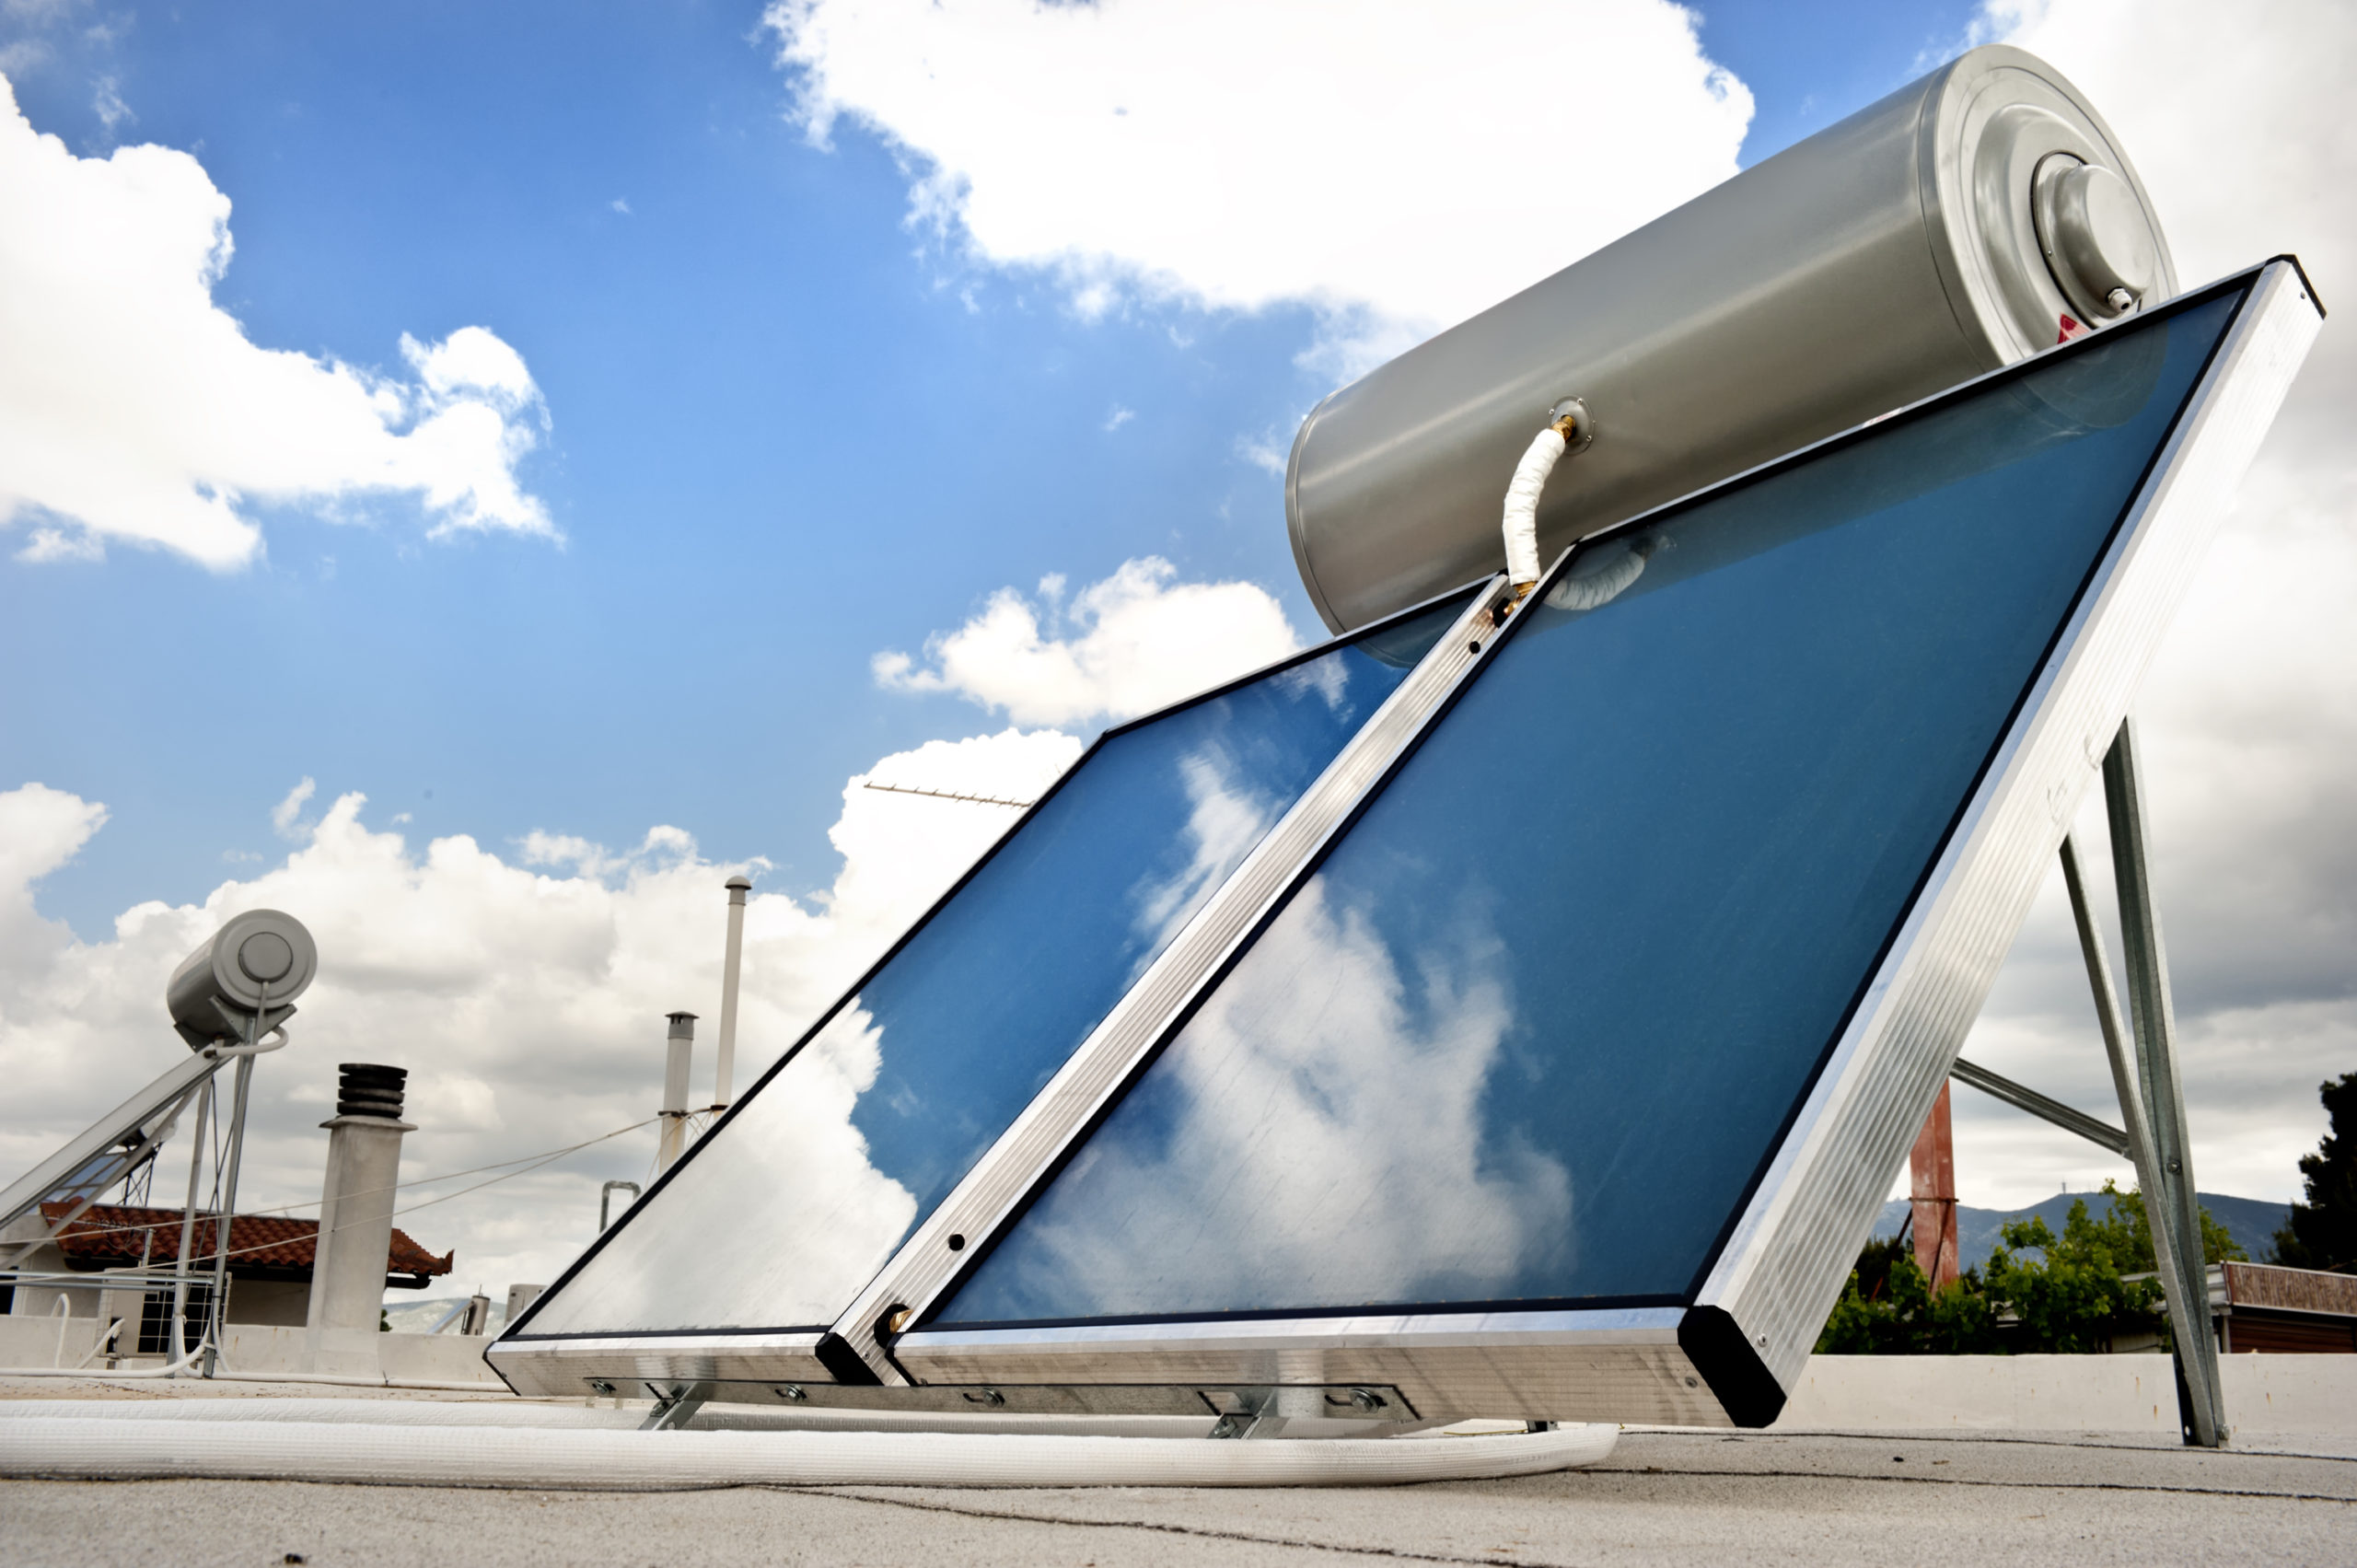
x=842 y=1363
x=1740 y=1381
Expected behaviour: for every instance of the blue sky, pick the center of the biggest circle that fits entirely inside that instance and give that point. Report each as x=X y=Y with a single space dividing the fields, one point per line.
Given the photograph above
x=781 y=439
x=751 y=408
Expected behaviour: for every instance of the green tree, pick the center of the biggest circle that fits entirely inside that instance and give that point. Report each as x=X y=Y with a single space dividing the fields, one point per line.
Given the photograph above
x=2132 y=1231
x=2322 y=1232
x=2072 y=1299
x=1888 y=1308
x=2040 y=1293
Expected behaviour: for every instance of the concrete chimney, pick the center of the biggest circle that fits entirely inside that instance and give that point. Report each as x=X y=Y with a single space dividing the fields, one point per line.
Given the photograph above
x=732 y=964
x=679 y=1054
x=355 y=1219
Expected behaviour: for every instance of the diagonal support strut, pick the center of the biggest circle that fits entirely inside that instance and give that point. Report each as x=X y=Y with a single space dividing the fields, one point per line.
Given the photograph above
x=2022 y=1098
x=2152 y=1097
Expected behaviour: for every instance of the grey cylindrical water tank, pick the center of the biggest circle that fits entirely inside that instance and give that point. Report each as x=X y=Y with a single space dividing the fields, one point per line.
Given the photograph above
x=260 y=959
x=1946 y=231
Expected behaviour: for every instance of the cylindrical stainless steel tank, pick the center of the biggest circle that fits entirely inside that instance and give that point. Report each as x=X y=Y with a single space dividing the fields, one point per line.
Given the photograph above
x=261 y=959
x=1946 y=231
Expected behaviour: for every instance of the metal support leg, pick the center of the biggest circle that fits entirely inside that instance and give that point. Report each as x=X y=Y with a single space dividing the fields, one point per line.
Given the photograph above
x=219 y=1314
x=2152 y=1100
x=2186 y=1325
x=200 y=1137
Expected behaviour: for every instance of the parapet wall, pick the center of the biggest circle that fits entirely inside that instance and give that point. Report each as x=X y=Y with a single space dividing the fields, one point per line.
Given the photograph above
x=2073 y=1393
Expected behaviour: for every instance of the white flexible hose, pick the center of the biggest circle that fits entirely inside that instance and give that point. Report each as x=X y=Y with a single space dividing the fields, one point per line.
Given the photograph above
x=81 y=1448
x=226 y=1375
x=1545 y=451
x=512 y=1412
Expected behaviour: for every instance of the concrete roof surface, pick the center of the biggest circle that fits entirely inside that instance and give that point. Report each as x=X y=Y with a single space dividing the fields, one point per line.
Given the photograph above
x=1663 y=1496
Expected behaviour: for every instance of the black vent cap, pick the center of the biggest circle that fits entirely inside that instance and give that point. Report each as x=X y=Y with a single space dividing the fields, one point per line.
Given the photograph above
x=364 y=1088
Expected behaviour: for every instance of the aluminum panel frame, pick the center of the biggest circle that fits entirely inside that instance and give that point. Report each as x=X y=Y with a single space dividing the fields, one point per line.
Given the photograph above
x=1766 y=1298
x=1097 y=1072
x=564 y=1368
x=1601 y=1364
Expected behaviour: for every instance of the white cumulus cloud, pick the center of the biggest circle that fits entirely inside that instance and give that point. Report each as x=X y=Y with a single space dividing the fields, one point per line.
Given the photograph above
x=524 y=991
x=1124 y=647
x=1398 y=165
x=133 y=409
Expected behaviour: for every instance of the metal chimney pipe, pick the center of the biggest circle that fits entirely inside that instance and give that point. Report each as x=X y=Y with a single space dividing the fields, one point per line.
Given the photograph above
x=679 y=1050
x=731 y=964
x=355 y=1219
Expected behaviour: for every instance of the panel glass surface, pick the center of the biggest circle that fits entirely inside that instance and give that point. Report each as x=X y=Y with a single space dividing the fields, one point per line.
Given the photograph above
x=1531 y=1030
x=779 y=1215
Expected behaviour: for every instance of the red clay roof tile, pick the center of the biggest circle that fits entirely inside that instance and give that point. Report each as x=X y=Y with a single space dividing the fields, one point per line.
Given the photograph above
x=112 y=1235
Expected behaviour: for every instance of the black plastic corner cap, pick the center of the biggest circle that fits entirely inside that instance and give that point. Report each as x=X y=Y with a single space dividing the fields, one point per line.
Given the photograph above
x=1720 y=1350
x=844 y=1364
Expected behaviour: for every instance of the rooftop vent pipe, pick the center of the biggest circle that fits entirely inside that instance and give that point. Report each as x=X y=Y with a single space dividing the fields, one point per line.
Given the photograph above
x=678 y=1054
x=1967 y=221
x=355 y=1219
x=732 y=963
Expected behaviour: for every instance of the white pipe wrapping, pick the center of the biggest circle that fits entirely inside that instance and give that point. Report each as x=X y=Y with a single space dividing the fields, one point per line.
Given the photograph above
x=222 y=1373
x=518 y=1412
x=1538 y=461
x=79 y=1448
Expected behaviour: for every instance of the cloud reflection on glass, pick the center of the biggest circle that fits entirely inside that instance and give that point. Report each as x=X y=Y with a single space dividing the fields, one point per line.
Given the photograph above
x=776 y=1218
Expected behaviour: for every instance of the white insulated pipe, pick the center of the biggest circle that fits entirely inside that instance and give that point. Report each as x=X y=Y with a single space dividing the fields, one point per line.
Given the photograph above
x=1521 y=522
x=1570 y=431
x=732 y=964
x=83 y=1447
x=607 y=1415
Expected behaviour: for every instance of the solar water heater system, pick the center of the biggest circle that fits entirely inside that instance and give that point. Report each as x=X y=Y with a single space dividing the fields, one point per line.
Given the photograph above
x=229 y=1000
x=1518 y=1006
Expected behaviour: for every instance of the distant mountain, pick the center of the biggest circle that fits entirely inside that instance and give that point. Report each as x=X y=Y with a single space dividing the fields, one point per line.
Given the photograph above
x=2251 y=1221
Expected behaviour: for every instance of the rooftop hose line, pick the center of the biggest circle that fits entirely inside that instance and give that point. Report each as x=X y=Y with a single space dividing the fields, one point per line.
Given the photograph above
x=81 y=1447
x=1571 y=430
